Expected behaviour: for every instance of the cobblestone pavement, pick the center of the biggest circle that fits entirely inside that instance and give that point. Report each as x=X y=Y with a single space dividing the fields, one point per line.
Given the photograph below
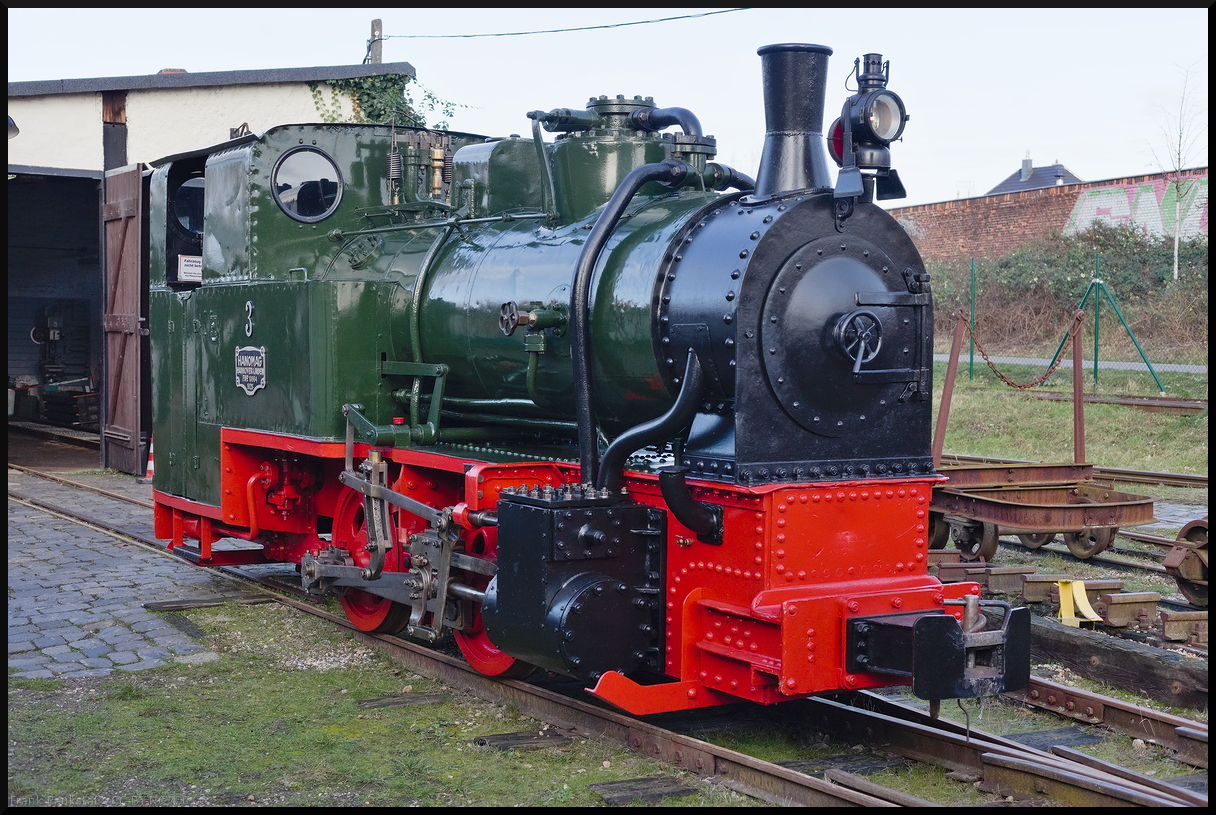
x=76 y=595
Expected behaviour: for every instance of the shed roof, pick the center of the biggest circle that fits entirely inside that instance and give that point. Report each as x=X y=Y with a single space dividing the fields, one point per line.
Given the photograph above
x=185 y=79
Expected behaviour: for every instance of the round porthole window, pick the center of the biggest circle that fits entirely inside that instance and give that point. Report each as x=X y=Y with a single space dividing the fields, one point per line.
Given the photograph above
x=188 y=206
x=307 y=184
x=185 y=199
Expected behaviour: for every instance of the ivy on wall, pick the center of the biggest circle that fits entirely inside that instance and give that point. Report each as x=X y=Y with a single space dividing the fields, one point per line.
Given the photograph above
x=383 y=99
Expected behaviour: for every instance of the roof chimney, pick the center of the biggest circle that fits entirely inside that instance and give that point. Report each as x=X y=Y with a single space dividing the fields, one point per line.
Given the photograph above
x=1026 y=168
x=1059 y=174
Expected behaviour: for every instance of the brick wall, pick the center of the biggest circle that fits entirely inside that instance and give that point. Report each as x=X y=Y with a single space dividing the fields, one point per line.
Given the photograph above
x=993 y=226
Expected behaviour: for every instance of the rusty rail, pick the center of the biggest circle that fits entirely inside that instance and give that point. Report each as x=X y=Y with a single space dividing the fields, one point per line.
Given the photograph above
x=744 y=773
x=1151 y=404
x=1189 y=739
x=1002 y=765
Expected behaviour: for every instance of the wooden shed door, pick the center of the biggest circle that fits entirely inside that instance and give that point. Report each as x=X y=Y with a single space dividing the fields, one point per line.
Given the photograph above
x=125 y=420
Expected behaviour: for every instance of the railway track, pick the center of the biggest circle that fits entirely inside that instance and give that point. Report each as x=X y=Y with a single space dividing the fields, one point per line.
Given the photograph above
x=1000 y=766
x=1152 y=404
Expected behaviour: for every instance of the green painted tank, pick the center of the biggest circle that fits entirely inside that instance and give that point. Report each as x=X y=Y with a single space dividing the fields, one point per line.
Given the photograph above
x=314 y=266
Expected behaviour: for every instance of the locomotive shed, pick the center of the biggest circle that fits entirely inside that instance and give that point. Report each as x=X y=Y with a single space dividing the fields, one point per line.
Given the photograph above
x=72 y=606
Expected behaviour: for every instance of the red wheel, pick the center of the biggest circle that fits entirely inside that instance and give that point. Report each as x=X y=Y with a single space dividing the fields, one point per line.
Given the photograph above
x=375 y=614
x=472 y=639
x=367 y=611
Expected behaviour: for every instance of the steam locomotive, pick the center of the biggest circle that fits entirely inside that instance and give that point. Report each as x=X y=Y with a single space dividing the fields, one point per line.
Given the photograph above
x=599 y=405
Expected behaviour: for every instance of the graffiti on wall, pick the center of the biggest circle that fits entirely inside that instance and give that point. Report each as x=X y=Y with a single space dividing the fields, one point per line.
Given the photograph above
x=1149 y=205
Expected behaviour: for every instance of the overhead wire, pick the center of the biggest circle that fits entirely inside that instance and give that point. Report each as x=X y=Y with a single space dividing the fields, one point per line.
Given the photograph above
x=545 y=31
x=560 y=30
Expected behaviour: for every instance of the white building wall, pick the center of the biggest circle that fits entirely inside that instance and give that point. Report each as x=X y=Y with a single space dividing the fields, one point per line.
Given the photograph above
x=57 y=131
x=161 y=123
x=65 y=130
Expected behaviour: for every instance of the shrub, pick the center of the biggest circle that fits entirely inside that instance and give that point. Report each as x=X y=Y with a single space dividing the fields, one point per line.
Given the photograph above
x=1028 y=296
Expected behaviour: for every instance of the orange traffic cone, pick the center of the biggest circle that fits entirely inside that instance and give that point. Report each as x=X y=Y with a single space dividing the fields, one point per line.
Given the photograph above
x=151 y=468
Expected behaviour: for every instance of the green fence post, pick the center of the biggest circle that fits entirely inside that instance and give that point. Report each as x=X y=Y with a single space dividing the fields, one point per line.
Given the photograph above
x=971 y=353
x=1081 y=307
x=1135 y=341
x=1097 y=310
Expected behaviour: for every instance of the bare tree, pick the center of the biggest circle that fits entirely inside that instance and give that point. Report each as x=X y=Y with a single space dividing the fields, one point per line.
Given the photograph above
x=1182 y=132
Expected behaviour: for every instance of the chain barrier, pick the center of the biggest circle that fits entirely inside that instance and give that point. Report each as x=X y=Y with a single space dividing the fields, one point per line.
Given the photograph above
x=1054 y=365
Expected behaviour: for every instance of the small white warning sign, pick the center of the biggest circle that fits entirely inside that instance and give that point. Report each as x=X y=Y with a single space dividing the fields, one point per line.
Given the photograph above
x=189 y=269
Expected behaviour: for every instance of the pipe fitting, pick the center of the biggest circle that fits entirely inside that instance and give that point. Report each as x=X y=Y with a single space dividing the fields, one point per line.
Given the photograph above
x=704 y=519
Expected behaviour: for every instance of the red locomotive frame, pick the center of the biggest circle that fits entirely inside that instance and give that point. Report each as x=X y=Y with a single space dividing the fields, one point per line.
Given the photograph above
x=760 y=620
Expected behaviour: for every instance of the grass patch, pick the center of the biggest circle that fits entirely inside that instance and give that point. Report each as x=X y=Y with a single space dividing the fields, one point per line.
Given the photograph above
x=988 y=418
x=33 y=684
x=931 y=783
x=276 y=721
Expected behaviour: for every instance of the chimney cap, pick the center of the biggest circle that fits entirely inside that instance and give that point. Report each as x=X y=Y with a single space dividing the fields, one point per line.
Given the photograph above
x=794 y=46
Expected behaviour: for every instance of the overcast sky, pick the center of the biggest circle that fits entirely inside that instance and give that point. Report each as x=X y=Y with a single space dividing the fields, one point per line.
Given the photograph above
x=1093 y=89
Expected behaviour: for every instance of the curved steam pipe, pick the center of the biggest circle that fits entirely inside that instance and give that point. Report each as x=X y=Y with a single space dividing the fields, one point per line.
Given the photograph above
x=725 y=177
x=651 y=120
x=664 y=427
x=719 y=176
x=668 y=171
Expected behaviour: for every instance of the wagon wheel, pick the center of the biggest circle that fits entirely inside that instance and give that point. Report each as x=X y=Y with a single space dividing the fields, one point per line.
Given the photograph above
x=939 y=531
x=977 y=542
x=1036 y=539
x=367 y=611
x=1090 y=540
x=1194 y=586
x=472 y=639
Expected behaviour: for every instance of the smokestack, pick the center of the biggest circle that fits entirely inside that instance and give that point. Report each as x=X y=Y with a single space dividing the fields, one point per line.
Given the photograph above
x=794 y=76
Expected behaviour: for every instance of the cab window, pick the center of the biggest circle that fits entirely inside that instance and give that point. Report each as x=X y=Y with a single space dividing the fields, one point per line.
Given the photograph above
x=307 y=184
